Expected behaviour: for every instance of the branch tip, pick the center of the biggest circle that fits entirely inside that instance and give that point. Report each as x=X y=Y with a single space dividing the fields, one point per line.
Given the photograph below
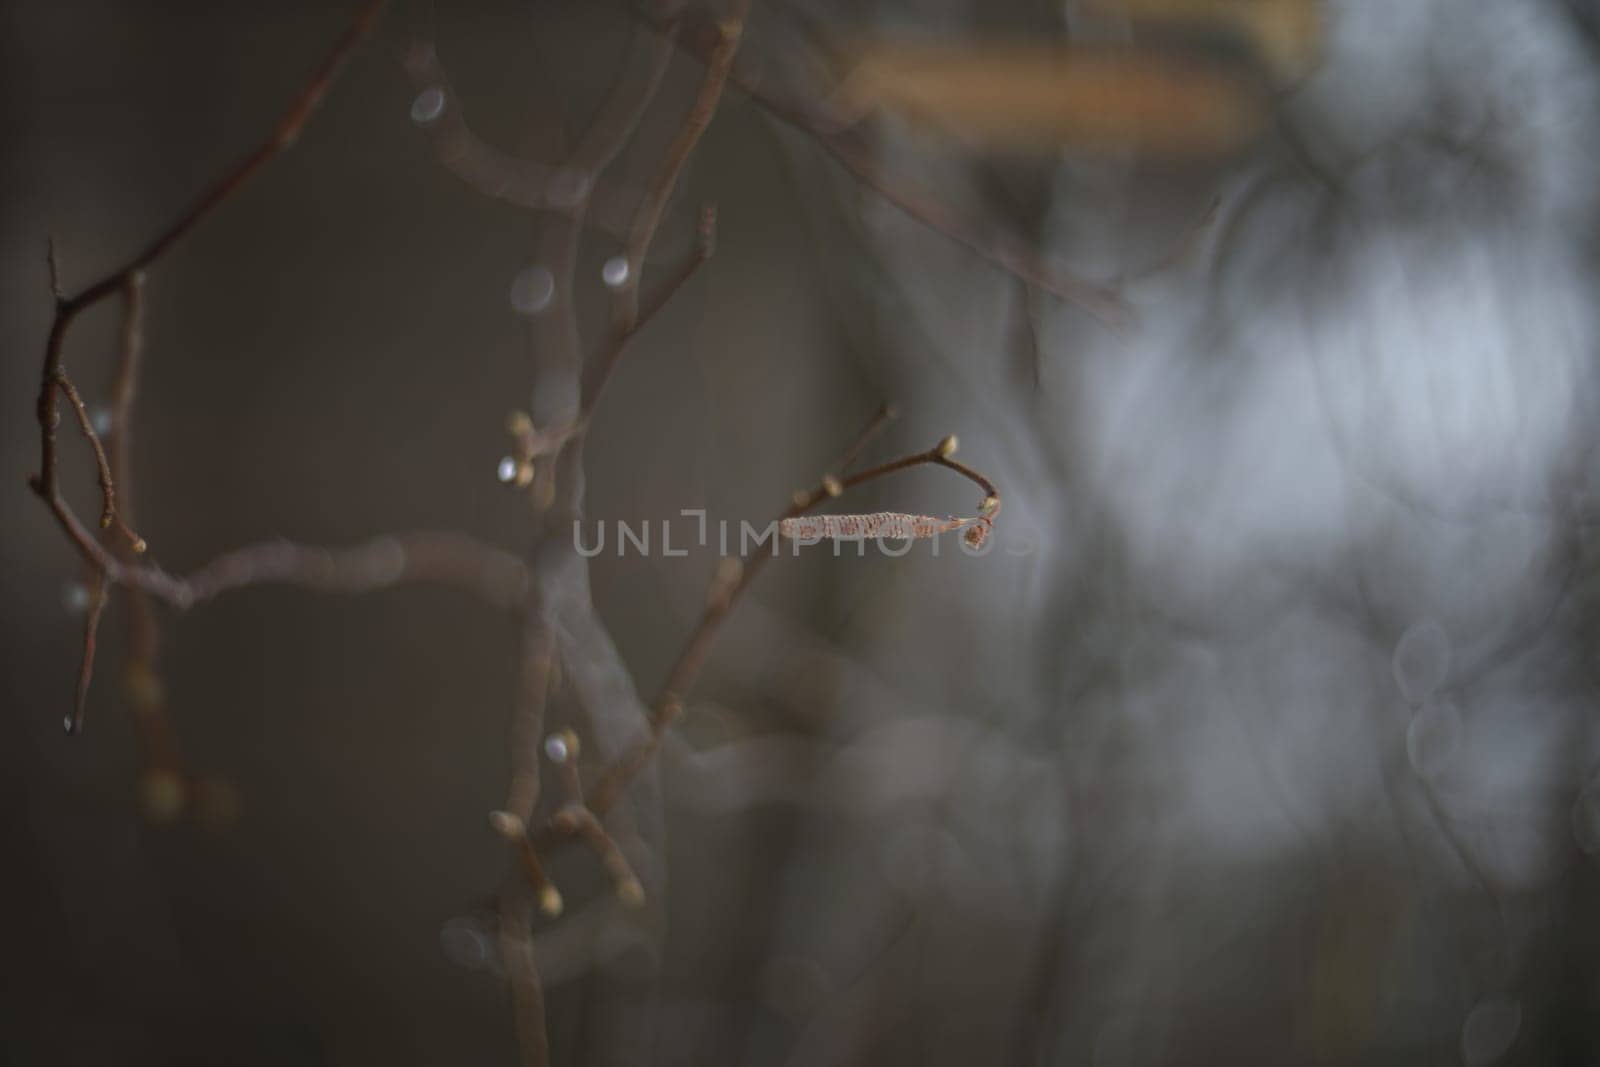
x=507 y=825
x=54 y=266
x=707 y=232
x=550 y=903
x=631 y=892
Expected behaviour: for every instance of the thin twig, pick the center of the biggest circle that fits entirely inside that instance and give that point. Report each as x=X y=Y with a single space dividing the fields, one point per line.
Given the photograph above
x=719 y=64
x=580 y=821
x=527 y=730
x=125 y=387
x=527 y=994
x=669 y=703
x=599 y=370
x=515 y=831
x=530 y=183
x=142 y=687
x=91 y=627
x=567 y=770
x=499 y=577
x=53 y=381
x=885 y=414
x=1004 y=250
x=109 y=517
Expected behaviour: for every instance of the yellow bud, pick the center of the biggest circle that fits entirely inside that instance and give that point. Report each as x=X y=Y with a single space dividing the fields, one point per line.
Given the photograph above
x=507 y=825
x=550 y=902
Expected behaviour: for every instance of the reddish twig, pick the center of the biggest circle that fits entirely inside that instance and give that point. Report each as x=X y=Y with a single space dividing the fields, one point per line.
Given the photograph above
x=515 y=832
x=527 y=993
x=53 y=380
x=91 y=627
x=577 y=820
x=109 y=516
x=141 y=678
x=562 y=748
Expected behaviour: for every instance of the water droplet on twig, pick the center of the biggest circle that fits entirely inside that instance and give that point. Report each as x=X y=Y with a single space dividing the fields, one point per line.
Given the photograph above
x=532 y=290
x=507 y=470
x=615 y=272
x=466 y=943
x=428 y=106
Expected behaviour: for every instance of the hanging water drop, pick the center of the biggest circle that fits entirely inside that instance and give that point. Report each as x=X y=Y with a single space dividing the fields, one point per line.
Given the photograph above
x=428 y=106
x=615 y=272
x=555 y=747
x=507 y=471
x=466 y=943
x=532 y=290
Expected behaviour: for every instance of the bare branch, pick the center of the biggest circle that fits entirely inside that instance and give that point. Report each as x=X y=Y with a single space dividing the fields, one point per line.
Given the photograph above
x=109 y=517
x=91 y=627
x=1006 y=251
x=497 y=576
x=669 y=703
x=126 y=279
x=719 y=63
x=527 y=729
x=578 y=820
x=599 y=370
x=527 y=993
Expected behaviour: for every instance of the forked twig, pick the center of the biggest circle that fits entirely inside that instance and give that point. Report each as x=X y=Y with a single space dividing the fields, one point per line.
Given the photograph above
x=719 y=64
x=109 y=516
x=680 y=678
x=502 y=578
x=1006 y=251
x=91 y=628
x=125 y=279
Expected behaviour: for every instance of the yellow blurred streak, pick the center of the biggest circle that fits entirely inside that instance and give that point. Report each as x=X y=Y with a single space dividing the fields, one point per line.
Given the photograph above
x=1021 y=97
x=1285 y=34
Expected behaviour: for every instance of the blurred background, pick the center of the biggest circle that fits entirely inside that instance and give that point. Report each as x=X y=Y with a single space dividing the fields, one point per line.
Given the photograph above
x=1265 y=733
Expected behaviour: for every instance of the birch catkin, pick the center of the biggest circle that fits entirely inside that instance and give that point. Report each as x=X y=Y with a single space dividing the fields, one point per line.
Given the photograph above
x=891 y=524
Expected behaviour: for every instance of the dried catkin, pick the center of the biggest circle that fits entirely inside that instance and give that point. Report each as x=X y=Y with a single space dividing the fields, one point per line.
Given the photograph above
x=890 y=524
